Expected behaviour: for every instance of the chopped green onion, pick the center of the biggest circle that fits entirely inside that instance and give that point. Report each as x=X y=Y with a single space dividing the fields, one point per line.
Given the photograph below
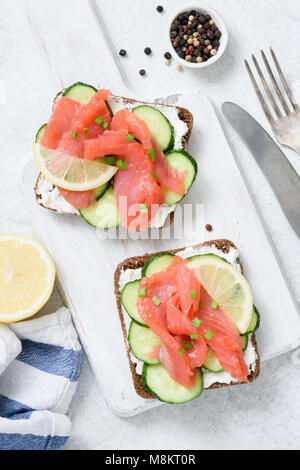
x=104 y=125
x=196 y=322
x=152 y=154
x=193 y=294
x=214 y=305
x=208 y=335
x=142 y=292
x=187 y=345
x=86 y=131
x=130 y=138
x=144 y=208
x=200 y=304
x=156 y=301
x=181 y=352
x=98 y=120
x=75 y=135
x=154 y=175
x=110 y=160
x=194 y=336
x=121 y=164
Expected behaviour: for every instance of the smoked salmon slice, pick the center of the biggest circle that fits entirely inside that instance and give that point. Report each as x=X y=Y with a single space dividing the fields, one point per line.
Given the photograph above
x=69 y=116
x=226 y=342
x=163 y=287
x=111 y=143
x=129 y=123
x=60 y=121
x=134 y=186
x=178 y=324
x=198 y=354
x=79 y=199
x=83 y=122
x=167 y=175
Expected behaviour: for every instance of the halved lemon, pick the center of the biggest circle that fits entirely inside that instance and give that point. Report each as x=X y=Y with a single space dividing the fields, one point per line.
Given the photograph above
x=72 y=173
x=27 y=276
x=227 y=286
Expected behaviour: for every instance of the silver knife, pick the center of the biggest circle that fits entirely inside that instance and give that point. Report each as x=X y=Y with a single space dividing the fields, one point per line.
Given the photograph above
x=280 y=174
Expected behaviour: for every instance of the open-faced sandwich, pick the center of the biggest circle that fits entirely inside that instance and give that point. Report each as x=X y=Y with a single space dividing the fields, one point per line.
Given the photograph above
x=113 y=160
x=188 y=321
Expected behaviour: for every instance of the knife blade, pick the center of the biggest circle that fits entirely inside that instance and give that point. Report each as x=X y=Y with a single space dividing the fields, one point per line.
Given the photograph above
x=280 y=174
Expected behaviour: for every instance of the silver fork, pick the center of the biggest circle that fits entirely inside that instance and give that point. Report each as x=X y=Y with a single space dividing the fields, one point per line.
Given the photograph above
x=286 y=126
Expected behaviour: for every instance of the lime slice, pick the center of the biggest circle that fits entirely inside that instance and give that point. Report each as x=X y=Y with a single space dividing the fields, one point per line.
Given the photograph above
x=72 y=173
x=227 y=286
x=27 y=275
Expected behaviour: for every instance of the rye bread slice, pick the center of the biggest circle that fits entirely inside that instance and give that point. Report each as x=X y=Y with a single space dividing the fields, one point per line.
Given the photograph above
x=137 y=262
x=183 y=114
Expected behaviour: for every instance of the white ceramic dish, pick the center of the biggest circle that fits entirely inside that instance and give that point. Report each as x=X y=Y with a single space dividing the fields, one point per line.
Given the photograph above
x=219 y=22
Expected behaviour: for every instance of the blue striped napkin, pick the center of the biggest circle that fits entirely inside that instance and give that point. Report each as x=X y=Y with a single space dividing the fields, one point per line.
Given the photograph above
x=37 y=386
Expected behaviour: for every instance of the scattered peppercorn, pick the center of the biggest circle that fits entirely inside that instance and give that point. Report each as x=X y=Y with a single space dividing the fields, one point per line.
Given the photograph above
x=195 y=37
x=167 y=62
x=142 y=72
x=208 y=227
x=159 y=9
x=147 y=51
x=122 y=52
x=179 y=68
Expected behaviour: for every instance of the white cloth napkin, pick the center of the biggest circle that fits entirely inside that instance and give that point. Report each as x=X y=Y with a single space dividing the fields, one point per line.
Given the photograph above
x=39 y=369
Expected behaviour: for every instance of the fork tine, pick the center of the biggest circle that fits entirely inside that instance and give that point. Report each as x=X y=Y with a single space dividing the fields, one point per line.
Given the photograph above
x=275 y=84
x=282 y=77
x=258 y=94
x=266 y=87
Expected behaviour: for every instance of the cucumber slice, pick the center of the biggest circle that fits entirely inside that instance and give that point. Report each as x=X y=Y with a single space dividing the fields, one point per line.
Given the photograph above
x=129 y=299
x=213 y=364
x=160 y=127
x=158 y=382
x=104 y=214
x=80 y=92
x=157 y=264
x=142 y=341
x=255 y=320
x=99 y=192
x=191 y=258
x=244 y=339
x=40 y=133
x=185 y=163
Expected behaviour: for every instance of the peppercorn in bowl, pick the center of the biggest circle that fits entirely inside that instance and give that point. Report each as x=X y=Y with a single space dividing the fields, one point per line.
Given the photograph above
x=198 y=36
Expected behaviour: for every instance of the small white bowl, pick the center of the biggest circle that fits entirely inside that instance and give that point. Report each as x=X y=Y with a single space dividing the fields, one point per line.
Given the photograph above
x=218 y=21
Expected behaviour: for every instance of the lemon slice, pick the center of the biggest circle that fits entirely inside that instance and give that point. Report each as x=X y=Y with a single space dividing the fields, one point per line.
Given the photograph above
x=72 y=173
x=227 y=286
x=27 y=276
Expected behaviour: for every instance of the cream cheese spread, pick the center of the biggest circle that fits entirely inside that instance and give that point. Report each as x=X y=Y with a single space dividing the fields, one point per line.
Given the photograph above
x=50 y=197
